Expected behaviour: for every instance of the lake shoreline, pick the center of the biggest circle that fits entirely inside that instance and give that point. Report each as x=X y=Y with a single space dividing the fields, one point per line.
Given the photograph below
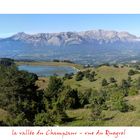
x=46 y=69
x=78 y=67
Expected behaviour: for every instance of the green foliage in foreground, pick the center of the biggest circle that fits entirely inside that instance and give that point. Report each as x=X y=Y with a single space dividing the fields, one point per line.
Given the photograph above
x=18 y=95
x=25 y=104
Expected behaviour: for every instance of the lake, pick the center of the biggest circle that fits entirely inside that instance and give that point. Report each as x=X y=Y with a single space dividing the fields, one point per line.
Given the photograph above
x=48 y=70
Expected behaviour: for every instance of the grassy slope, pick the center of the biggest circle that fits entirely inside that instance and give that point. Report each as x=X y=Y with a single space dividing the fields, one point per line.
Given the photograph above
x=102 y=72
x=80 y=117
x=112 y=118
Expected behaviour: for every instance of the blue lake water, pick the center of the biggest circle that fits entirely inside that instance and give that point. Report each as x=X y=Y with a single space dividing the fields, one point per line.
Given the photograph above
x=48 y=70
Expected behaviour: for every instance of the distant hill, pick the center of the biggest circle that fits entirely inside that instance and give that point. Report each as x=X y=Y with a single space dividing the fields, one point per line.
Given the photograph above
x=94 y=46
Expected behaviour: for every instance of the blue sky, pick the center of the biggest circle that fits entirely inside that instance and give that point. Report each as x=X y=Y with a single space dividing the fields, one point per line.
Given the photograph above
x=11 y=24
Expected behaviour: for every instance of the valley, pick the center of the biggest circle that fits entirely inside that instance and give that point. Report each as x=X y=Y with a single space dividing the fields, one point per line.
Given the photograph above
x=88 y=78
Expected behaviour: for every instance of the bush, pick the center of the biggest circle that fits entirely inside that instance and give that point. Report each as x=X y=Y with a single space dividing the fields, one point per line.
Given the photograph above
x=125 y=85
x=96 y=109
x=55 y=86
x=52 y=116
x=68 y=76
x=131 y=72
x=138 y=83
x=79 y=76
x=91 y=76
x=104 y=82
x=132 y=91
x=87 y=73
x=84 y=98
x=117 y=102
x=96 y=112
x=122 y=106
x=112 y=80
x=43 y=119
x=19 y=120
x=69 y=98
x=87 y=106
x=56 y=60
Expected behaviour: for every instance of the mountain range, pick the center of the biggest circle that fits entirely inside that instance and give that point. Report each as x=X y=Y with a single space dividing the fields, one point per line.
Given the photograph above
x=94 y=46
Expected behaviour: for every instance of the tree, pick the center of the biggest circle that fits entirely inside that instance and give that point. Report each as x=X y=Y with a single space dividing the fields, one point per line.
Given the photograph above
x=104 y=82
x=68 y=76
x=54 y=109
x=98 y=104
x=84 y=97
x=131 y=72
x=18 y=94
x=56 y=60
x=112 y=80
x=43 y=119
x=92 y=76
x=137 y=67
x=55 y=86
x=117 y=102
x=97 y=108
x=87 y=73
x=52 y=116
x=138 y=83
x=69 y=98
x=79 y=76
x=129 y=80
x=125 y=86
x=6 y=61
x=3 y=123
x=96 y=112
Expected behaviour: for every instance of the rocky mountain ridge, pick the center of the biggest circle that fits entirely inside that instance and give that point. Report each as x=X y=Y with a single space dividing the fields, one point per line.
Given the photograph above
x=73 y=38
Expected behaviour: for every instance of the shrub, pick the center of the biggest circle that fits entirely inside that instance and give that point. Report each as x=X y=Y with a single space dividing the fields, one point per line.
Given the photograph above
x=131 y=72
x=117 y=102
x=79 y=76
x=112 y=80
x=69 y=98
x=104 y=82
x=68 y=76
x=132 y=91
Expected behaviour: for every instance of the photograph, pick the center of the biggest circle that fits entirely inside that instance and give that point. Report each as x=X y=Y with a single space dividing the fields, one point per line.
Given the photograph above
x=69 y=70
